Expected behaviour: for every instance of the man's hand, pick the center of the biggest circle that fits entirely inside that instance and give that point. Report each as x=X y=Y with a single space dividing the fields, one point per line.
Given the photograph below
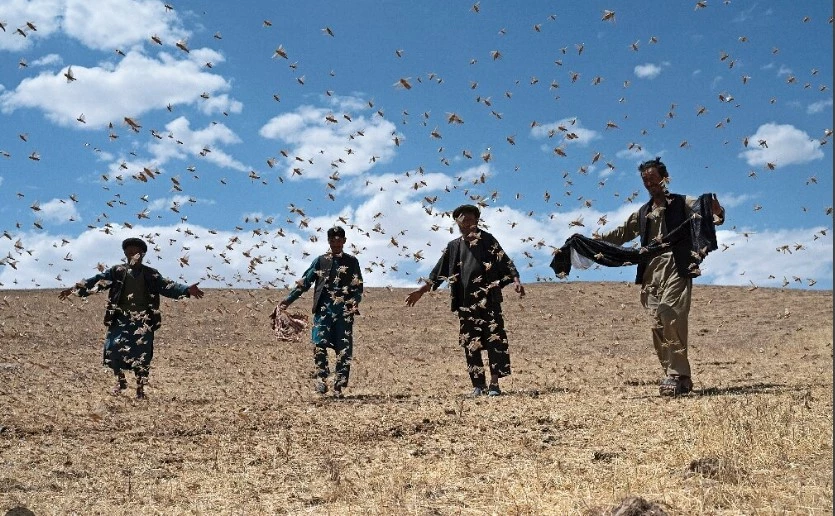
x=415 y=295
x=716 y=208
x=64 y=294
x=520 y=289
x=195 y=292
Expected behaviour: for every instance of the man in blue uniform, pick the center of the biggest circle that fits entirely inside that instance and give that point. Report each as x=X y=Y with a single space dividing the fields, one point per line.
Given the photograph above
x=337 y=294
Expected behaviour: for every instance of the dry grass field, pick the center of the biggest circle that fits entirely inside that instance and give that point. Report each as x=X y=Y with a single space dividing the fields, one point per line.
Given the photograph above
x=232 y=425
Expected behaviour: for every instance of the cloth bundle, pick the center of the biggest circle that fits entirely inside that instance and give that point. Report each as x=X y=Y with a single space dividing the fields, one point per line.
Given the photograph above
x=287 y=326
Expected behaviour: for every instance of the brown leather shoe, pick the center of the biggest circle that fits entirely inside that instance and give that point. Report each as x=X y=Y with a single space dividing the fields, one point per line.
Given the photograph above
x=673 y=386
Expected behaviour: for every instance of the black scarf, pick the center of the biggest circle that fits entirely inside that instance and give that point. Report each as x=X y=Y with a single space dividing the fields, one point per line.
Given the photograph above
x=698 y=228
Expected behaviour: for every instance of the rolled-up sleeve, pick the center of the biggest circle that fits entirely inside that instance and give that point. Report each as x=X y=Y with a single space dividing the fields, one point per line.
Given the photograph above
x=623 y=233
x=307 y=280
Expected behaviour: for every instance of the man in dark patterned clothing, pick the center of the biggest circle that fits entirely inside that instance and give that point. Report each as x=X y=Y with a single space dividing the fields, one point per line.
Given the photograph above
x=477 y=268
x=132 y=314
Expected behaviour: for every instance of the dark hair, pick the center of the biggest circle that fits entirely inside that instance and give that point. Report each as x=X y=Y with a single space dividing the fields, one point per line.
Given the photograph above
x=465 y=209
x=654 y=163
x=138 y=242
x=336 y=231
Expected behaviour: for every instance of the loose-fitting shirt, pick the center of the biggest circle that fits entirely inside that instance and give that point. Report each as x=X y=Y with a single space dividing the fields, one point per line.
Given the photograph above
x=662 y=268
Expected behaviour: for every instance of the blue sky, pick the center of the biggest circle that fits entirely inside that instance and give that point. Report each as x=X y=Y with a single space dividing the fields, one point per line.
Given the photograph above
x=233 y=134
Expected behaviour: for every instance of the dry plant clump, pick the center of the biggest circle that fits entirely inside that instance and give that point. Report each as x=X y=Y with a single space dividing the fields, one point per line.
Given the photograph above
x=232 y=425
x=630 y=506
x=717 y=469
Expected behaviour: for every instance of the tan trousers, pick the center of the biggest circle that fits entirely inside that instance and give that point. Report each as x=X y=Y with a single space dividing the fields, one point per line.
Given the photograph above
x=669 y=308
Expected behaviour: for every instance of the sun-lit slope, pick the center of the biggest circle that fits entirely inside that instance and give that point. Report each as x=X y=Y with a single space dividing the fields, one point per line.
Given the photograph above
x=232 y=424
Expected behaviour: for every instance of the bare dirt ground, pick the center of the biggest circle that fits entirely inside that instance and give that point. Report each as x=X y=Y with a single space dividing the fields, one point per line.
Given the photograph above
x=232 y=425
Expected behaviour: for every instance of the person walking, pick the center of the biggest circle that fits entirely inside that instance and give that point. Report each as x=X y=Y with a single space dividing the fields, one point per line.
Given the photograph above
x=477 y=268
x=133 y=312
x=667 y=278
x=337 y=294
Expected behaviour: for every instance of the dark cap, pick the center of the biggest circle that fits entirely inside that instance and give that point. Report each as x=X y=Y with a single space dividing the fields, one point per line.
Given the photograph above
x=465 y=209
x=137 y=242
x=336 y=231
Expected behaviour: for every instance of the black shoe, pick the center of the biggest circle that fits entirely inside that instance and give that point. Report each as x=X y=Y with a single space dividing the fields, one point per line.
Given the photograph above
x=321 y=387
x=494 y=390
x=141 y=382
x=686 y=384
x=121 y=384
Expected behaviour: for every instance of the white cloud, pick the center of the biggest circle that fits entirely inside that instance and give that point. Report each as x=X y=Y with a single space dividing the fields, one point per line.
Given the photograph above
x=59 y=211
x=97 y=25
x=755 y=258
x=254 y=215
x=137 y=84
x=350 y=142
x=647 y=71
x=179 y=141
x=200 y=143
x=783 y=145
x=636 y=153
x=165 y=203
x=47 y=60
x=819 y=107
x=394 y=246
x=743 y=16
x=119 y=169
x=284 y=124
x=43 y=14
x=729 y=200
x=221 y=104
x=560 y=129
x=121 y=23
x=346 y=102
x=784 y=70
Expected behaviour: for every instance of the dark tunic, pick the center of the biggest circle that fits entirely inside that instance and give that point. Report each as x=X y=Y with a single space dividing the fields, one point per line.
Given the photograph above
x=132 y=313
x=477 y=271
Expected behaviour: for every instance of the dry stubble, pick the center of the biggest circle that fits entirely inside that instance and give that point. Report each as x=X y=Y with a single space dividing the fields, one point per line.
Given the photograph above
x=232 y=424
